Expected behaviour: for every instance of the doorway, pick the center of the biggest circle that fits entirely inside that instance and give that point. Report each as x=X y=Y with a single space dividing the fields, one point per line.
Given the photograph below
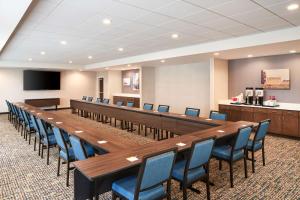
x=101 y=88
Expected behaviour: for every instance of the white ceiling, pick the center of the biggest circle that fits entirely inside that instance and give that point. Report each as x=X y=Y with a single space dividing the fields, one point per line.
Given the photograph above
x=138 y=26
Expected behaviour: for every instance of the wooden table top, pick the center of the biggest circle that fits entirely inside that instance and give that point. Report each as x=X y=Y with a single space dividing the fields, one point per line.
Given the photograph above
x=90 y=134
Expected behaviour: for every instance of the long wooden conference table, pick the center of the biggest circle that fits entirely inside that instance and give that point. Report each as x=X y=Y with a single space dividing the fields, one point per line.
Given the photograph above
x=95 y=175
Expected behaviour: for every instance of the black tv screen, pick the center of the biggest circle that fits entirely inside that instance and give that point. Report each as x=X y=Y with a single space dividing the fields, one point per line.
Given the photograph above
x=41 y=80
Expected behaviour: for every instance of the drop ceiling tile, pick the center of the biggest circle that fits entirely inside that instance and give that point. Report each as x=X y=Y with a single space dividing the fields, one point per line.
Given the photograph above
x=178 y=9
x=208 y=3
x=146 y=4
x=154 y=19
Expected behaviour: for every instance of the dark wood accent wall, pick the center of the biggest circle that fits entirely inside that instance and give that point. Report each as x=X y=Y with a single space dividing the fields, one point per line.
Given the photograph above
x=283 y=122
x=127 y=99
x=43 y=102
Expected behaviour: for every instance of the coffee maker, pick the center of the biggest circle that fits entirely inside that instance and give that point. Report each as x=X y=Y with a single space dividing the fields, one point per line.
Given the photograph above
x=249 y=95
x=259 y=96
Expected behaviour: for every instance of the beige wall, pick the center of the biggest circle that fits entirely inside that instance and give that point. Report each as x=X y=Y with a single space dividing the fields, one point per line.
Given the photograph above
x=178 y=86
x=218 y=82
x=74 y=84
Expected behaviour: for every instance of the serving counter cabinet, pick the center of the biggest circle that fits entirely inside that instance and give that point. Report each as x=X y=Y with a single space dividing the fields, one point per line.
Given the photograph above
x=283 y=122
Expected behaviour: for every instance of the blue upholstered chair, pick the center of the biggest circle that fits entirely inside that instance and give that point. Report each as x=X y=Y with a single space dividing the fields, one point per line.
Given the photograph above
x=105 y=101
x=258 y=141
x=28 y=128
x=130 y=104
x=84 y=98
x=163 y=108
x=119 y=103
x=78 y=148
x=195 y=167
x=37 y=135
x=98 y=100
x=90 y=99
x=194 y=112
x=14 y=115
x=217 y=115
x=154 y=171
x=20 y=121
x=237 y=151
x=158 y=132
x=65 y=151
x=9 y=110
x=146 y=106
x=48 y=138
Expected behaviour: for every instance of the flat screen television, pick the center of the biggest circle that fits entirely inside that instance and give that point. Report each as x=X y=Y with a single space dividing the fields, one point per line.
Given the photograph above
x=41 y=80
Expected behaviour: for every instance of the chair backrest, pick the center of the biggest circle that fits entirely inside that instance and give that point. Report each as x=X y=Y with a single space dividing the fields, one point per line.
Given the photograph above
x=84 y=98
x=262 y=130
x=148 y=106
x=217 y=115
x=20 y=114
x=242 y=138
x=98 y=100
x=130 y=104
x=119 y=103
x=194 y=112
x=105 y=101
x=8 y=106
x=42 y=127
x=26 y=117
x=60 y=140
x=35 y=126
x=14 y=109
x=90 y=99
x=155 y=170
x=78 y=148
x=200 y=153
x=163 y=108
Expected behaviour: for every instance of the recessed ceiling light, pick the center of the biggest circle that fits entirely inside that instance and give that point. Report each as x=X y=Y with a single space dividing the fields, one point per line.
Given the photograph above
x=29 y=59
x=217 y=53
x=128 y=65
x=63 y=42
x=70 y=61
x=90 y=57
x=43 y=52
x=293 y=51
x=293 y=6
x=80 y=70
x=162 y=61
x=106 y=68
x=106 y=21
x=120 y=49
x=250 y=56
x=175 y=36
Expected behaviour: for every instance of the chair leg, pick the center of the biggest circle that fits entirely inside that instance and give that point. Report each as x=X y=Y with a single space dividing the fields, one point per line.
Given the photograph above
x=253 y=164
x=68 y=172
x=48 y=149
x=207 y=186
x=169 y=190
x=42 y=153
x=184 y=190
x=220 y=164
x=263 y=155
x=34 y=144
x=231 y=174
x=245 y=166
x=58 y=164
x=29 y=137
x=114 y=196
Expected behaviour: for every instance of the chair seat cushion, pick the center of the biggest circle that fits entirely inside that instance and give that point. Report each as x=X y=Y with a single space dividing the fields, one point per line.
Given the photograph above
x=224 y=152
x=63 y=154
x=257 y=145
x=51 y=140
x=126 y=188
x=195 y=174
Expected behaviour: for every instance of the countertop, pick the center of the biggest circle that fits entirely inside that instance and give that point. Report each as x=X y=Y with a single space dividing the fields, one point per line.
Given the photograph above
x=282 y=106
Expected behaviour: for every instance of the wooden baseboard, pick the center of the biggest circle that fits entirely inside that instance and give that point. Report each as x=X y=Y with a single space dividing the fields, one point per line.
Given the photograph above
x=3 y=113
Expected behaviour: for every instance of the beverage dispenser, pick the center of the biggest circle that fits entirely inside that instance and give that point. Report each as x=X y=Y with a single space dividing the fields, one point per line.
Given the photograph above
x=259 y=96
x=249 y=95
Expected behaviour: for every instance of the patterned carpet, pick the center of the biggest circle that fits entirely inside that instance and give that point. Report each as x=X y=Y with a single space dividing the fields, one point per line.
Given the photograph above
x=24 y=175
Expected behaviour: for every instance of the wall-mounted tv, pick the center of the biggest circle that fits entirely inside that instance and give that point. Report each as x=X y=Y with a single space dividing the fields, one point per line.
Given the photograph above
x=41 y=80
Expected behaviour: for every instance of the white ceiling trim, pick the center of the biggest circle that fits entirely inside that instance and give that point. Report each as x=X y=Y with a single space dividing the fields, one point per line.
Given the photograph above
x=283 y=35
x=37 y=65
